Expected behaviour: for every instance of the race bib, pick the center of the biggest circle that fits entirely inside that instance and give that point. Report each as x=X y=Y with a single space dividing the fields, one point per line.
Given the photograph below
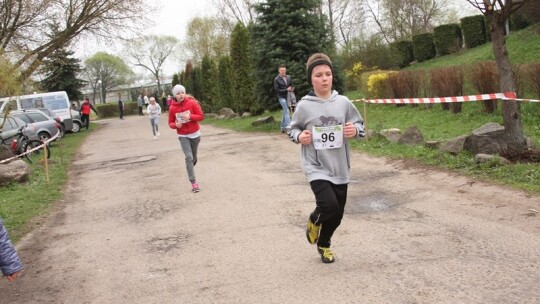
x=328 y=137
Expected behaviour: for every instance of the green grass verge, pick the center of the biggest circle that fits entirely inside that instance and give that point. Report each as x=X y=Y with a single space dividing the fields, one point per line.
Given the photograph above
x=21 y=204
x=523 y=47
x=435 y=124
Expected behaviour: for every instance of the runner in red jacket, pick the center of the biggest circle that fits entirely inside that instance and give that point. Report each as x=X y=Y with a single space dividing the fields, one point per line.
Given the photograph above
x=84 y=111
x=184 y=116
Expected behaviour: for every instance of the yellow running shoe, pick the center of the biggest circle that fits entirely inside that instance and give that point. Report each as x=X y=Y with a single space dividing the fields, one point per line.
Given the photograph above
x=312 y=232
x=326 y=255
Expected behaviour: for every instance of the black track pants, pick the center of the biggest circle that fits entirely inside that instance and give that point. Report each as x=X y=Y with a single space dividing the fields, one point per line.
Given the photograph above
x=331 y=200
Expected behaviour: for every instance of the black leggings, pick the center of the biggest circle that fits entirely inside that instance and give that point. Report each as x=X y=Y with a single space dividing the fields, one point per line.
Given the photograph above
x=331 y=200
x=85 y=119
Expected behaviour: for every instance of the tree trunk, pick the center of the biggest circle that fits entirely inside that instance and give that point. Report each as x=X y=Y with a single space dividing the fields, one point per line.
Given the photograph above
x=510 y=108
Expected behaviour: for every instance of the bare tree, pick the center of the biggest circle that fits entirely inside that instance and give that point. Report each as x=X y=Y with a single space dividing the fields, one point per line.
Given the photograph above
x=401 y=19
x=345 y=17
x=151 y=52
x=497 y=13
x=30 y=30
x=207 y=36
x=233 y=11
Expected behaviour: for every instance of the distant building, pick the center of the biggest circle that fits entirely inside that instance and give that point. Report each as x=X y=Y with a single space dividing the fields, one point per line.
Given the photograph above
x=130 y=92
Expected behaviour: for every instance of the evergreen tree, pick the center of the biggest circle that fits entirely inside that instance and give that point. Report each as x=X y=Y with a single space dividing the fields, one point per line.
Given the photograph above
x=208 y=86
x=241 y=64
x=61 y=71
x=175 y=79
x=225 y=84
x=287 y=32
x=185 y=80
x=195 y=83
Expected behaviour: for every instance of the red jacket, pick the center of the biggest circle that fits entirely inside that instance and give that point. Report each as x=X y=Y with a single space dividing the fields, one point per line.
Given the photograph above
x=196 y=115
x=86 y=107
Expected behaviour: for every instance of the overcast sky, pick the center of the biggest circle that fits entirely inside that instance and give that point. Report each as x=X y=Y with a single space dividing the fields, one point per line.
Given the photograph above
x=171 y=19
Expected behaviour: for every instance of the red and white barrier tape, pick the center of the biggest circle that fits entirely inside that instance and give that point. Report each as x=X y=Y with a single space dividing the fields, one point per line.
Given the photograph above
x=31 y=150
x=430 y=100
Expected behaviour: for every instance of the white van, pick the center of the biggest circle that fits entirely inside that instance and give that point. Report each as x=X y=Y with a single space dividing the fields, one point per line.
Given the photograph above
x=56 y=102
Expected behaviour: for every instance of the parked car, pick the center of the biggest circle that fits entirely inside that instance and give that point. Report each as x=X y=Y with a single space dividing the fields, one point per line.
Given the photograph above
x=45 y=126
x=57 y=118
x=77 y=122
x=10 y=127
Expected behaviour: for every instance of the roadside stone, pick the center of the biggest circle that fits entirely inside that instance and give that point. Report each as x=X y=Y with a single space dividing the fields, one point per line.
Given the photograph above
x=263 y=120
x=432 y=144
x=483 y=158
x=412 y=136
x=392 y=135
x=226 y=113
x=454 y=145
x=15 y=171
x=488 y=139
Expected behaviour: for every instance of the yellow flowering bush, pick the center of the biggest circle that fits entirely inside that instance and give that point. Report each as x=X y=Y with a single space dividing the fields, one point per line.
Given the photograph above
x=378 y=85
x=354 y=75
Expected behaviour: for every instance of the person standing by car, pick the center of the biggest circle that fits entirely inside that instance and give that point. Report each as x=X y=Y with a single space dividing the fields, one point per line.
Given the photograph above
x=120 y=106
x=184 y=116
x=10 y=264
x=86 y=107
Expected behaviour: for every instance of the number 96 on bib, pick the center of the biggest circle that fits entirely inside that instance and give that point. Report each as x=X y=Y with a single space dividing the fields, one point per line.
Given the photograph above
x=327 y=137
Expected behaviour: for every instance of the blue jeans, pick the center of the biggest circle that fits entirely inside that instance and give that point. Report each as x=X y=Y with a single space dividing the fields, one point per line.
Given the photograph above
x=285 y=118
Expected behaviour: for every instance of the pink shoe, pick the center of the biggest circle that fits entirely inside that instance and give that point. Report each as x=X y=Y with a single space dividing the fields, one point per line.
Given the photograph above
x=195 y=188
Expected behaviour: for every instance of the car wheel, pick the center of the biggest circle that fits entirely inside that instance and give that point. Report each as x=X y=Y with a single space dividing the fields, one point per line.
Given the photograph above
x=76 y=127
x=43 y=136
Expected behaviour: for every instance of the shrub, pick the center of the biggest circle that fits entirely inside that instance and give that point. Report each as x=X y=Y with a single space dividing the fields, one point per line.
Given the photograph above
x=403 y=50
x=534 y=76
x=447 y=39
x=474 y=30
x=447 y=82
x=423 y=47
x=378 y=85
x=484 y=77
x=353 y=76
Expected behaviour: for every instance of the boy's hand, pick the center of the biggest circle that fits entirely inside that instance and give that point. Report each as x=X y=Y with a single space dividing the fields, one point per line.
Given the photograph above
x=305 y=137
x=349 y=131
x=12 y=277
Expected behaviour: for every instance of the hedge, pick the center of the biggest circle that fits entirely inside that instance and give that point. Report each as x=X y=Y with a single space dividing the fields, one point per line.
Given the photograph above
x=423 y=47
x=404 y=51
x=447 y=39
x=474 y=31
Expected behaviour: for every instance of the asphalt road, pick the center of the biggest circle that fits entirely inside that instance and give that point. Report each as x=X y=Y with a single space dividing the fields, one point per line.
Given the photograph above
x=131 y=231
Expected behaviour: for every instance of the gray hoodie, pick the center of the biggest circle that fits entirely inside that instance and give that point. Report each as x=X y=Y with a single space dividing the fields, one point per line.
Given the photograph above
x=331 y=164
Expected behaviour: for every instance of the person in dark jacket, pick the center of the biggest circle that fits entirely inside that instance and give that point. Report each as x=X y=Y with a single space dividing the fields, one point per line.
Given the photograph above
x=84 y=111
x=121 y=106
x=10 y=264
x=282 y=86
x=184 y=116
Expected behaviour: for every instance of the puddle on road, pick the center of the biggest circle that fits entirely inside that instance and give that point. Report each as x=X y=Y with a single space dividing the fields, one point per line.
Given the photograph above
x=371 y=203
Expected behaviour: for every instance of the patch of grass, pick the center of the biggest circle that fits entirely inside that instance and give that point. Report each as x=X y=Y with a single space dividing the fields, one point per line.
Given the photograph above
x=523 y=47
x=21 y=203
